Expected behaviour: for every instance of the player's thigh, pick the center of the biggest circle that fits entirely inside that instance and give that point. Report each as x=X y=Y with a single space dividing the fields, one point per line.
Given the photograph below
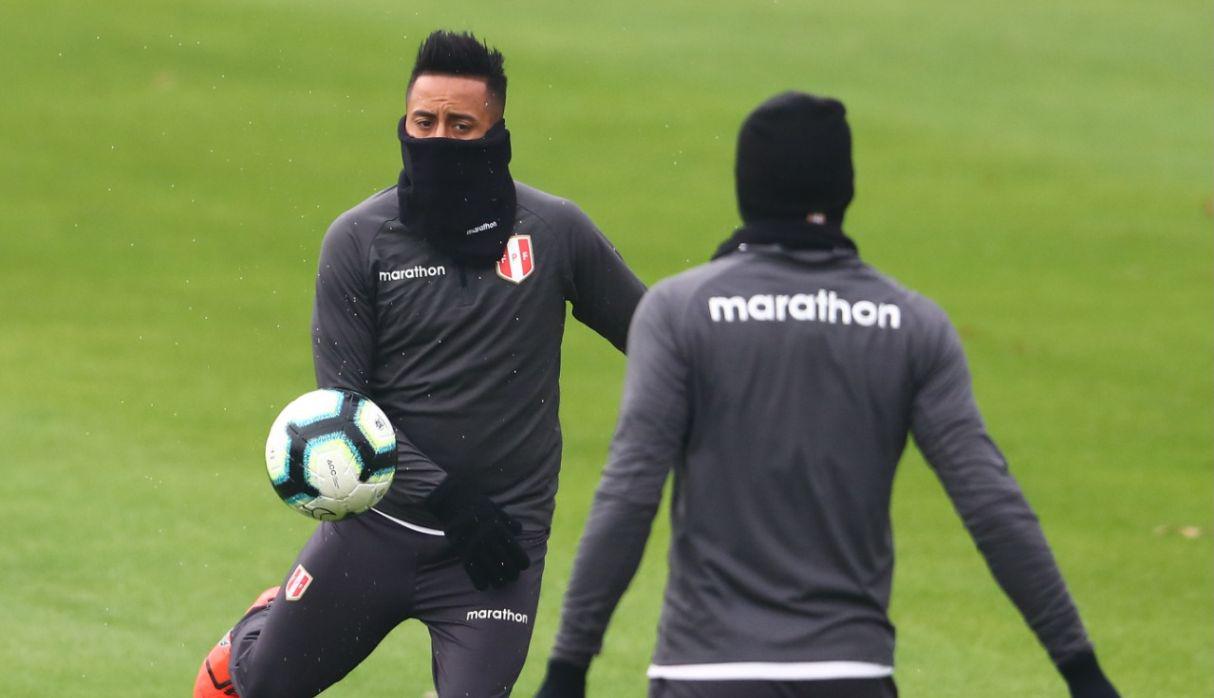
x=829 y=688
x=479 y=639
x=348 y=588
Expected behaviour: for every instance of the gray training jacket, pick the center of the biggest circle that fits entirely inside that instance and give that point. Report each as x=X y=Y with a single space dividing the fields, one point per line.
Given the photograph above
x=465 y=361
x=780 y=388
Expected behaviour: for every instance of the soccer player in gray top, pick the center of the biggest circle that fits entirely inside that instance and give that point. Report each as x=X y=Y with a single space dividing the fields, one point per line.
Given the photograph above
x=779 y=383
x=443 y=299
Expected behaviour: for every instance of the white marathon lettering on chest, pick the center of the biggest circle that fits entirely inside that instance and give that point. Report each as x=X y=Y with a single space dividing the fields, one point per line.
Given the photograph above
x=417 y=272
x=823 y=306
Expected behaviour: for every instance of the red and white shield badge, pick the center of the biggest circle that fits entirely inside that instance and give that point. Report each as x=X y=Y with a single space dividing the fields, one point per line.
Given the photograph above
x=297 y=584
x=518 y=261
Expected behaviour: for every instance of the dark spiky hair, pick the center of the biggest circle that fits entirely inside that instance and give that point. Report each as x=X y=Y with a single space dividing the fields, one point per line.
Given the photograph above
x=461 y=53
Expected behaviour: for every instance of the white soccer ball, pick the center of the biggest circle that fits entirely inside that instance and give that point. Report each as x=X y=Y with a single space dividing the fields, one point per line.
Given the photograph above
x=331 y=454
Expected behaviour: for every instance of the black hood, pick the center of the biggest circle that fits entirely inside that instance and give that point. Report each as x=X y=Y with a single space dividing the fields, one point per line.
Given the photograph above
x=794 y=175
x=794 y=160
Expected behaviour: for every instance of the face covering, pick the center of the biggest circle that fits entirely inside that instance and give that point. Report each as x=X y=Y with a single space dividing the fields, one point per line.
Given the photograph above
x=793 y=235
x=459 y=194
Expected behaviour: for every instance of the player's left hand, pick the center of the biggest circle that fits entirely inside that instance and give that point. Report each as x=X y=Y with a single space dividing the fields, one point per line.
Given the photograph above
x=480 y=533
x=1085 y=678
x=563 y=680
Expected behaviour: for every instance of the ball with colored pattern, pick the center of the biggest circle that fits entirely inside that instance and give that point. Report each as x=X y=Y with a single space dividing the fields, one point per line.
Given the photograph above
x=331 y=454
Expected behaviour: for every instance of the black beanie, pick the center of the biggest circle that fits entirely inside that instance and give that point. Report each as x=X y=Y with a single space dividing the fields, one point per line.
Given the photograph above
x=794 y=159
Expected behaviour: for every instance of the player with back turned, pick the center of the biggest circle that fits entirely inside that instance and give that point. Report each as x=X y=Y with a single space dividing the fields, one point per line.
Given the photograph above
x=443 y=299
x=779 y=382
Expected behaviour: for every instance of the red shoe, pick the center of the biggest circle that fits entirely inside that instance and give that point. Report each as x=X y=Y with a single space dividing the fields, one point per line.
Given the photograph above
x=263 y=599
x=214 y=677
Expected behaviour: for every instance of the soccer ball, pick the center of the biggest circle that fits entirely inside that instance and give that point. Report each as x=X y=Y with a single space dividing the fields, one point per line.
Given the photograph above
x=331 y=454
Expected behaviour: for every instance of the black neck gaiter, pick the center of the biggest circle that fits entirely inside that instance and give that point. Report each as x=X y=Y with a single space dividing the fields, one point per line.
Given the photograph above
x=459 y=194
x=793 y=235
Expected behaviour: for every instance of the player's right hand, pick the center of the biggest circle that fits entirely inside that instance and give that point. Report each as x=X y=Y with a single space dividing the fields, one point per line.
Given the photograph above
x=563 y=680
x=1085 y=678
x=480 y=533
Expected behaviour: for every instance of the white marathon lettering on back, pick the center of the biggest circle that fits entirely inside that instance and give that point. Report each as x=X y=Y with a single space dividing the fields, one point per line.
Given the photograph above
x=418 y=272
x=823 y=306
x=497 y=614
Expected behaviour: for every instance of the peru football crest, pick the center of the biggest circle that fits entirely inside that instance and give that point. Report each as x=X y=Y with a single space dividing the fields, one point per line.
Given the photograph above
x=297 y=584
x=518 y=261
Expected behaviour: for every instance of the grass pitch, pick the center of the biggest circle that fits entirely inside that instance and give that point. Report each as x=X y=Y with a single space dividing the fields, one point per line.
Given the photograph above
x=1040 y=168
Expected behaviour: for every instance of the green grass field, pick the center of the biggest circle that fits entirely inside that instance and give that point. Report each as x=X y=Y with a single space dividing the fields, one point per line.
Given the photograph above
x=1040 y=168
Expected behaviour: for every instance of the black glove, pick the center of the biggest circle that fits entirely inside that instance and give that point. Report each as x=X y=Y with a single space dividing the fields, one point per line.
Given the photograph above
x=479 y=532
x=564 y=680
x=1085 y=679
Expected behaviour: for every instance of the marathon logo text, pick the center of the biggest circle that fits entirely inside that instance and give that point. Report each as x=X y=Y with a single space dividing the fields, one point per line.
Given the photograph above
x=823 y=306
x=498 y=614
x=481 y=228
x=418 y=272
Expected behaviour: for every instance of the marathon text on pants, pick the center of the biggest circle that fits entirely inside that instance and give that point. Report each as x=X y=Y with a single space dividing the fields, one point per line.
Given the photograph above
x=497 y=614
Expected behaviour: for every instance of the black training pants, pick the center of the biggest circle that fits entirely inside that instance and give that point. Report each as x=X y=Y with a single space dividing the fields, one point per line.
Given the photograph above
x=367 y=575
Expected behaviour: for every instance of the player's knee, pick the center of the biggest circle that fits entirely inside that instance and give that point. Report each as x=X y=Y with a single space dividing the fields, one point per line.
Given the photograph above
x=495 y=690
x=490 y=681
x=254 y=683
x=267 y=687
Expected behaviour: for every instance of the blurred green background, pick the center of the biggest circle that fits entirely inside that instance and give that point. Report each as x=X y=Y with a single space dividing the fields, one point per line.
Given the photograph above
x=1042 y=169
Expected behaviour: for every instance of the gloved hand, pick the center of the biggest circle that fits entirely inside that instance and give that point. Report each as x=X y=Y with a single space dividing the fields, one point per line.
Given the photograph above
x=1085 y=678
x=563 y=680
x=480 y=533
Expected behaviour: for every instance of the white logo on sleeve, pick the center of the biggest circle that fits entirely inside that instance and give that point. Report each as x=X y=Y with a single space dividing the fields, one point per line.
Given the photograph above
x=417 y=272
x=823 y=306
x=497 y=614
x=481 y=228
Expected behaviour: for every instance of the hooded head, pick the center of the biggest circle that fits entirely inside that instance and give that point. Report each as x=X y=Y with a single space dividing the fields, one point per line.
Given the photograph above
x=794 y=161
x=455 y=188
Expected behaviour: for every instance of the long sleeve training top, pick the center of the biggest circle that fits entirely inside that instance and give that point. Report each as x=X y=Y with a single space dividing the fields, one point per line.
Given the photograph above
x=465 y=361
x=780 y=388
